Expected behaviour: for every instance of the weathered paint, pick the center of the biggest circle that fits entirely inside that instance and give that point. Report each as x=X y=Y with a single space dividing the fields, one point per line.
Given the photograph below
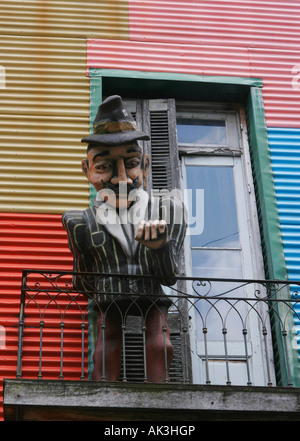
x=67 y=18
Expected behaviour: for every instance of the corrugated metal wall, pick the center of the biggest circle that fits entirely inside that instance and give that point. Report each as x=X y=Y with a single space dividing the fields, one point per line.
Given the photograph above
x=285 y=154
x=44 y=112
x=268 y=23
x=26 y=241
x=68 y=18
x=208 y=37
x=44 y=108
x=275 y=67
x=258 y=39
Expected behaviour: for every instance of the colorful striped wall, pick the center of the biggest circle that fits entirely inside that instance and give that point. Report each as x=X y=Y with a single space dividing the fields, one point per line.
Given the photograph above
x=46 y=50
x=44 y=112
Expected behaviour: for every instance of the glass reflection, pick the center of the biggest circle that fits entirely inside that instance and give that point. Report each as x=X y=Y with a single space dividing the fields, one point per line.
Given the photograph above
x=220 y=215
x=201 y=131
x=216 y=252
x=216 y=314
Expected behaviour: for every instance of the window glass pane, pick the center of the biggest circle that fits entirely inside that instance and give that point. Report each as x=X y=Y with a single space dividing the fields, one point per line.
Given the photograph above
x=201 y=131
x=220 y=213
x=217 y=264
x=214 y=313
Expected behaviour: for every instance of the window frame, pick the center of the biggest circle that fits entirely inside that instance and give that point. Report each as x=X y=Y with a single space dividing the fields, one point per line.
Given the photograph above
x=233 y=145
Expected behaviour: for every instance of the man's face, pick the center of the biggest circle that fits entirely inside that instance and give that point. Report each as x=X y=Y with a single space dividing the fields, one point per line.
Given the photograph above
x=108 y=166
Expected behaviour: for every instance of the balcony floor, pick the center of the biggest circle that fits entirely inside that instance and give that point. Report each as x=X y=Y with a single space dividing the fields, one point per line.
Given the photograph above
x=41 y=400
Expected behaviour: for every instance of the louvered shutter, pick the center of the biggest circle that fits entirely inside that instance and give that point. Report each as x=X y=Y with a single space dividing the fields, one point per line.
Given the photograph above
x=158 y=119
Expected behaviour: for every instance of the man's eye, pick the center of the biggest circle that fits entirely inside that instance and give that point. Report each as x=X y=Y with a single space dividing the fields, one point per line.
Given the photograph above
x=103 y=166
x=132 y=163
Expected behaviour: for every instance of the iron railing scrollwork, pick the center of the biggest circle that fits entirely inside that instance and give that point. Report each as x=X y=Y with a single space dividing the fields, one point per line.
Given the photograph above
x=217 y=326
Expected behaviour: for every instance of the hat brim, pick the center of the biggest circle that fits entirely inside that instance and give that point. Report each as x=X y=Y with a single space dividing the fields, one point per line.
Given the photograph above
x=116 y=138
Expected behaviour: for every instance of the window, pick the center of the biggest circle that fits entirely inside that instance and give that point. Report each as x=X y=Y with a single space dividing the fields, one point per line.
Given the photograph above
x=213 y=161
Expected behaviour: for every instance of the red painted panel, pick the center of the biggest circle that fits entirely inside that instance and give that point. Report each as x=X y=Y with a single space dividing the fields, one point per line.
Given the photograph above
x=33 y=241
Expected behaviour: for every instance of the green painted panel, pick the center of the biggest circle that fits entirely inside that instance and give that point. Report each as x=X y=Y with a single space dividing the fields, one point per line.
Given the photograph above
x=257 y=133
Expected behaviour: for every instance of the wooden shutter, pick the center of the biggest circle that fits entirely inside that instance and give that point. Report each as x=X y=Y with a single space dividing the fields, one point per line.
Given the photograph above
x=158 y=119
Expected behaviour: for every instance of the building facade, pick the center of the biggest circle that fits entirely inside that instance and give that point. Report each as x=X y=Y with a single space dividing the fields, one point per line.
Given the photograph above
x=232 y=64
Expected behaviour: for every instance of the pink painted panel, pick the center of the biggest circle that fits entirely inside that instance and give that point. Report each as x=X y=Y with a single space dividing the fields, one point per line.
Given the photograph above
x=164 y=57
x=267 y=23
x=277 y=68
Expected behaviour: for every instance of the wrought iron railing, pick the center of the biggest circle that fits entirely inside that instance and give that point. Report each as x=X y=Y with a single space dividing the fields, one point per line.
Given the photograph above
x=223 y=331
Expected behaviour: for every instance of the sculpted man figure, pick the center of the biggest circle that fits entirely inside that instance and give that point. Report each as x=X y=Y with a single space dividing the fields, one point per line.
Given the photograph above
x=122 y=233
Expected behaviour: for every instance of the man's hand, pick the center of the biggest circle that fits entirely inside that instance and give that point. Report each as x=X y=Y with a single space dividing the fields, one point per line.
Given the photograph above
x=152 y=234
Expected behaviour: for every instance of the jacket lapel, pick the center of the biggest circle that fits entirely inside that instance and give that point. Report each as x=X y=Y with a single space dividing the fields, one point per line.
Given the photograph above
x=117 y=224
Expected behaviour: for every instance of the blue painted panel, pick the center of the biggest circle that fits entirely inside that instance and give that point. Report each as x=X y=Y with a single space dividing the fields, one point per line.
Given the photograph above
x=285 y=157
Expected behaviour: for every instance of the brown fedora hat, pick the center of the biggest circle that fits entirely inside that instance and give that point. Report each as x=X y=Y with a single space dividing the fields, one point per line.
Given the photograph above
x=114 y=125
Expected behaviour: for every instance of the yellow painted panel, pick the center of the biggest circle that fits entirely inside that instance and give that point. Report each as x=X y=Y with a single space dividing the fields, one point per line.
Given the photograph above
x=44 y=106
x=44 y=113
x=67 y=18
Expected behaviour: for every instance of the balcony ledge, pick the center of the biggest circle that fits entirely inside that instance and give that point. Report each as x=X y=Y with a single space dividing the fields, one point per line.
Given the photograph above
x=56 y=400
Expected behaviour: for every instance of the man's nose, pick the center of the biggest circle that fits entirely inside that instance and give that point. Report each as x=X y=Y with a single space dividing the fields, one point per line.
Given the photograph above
x=120 y=174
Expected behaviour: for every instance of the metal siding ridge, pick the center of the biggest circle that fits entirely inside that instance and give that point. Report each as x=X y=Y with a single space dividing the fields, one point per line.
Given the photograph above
x=34 y=241
x=275 y=67
x=281 y=96
x=285 y=153
x=72 y=19
x=201 y=60
x=237 y=23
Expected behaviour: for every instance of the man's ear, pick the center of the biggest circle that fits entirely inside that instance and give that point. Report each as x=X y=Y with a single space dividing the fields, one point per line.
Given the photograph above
x=85 y=166
x=146 y=165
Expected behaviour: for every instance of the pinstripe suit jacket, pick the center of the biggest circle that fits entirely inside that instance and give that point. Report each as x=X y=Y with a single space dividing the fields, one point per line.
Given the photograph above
x=104 y=248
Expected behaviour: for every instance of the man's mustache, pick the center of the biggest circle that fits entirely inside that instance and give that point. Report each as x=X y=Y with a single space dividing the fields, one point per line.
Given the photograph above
x=116 y=188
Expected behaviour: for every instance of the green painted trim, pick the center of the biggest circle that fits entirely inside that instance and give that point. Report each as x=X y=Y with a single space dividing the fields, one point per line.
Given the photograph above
x=120 y=73
x=257 y=132
x=95 y=97
x=95 y=101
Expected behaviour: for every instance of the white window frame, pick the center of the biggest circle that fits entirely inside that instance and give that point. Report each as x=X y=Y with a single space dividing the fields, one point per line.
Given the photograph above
x=235 y=155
